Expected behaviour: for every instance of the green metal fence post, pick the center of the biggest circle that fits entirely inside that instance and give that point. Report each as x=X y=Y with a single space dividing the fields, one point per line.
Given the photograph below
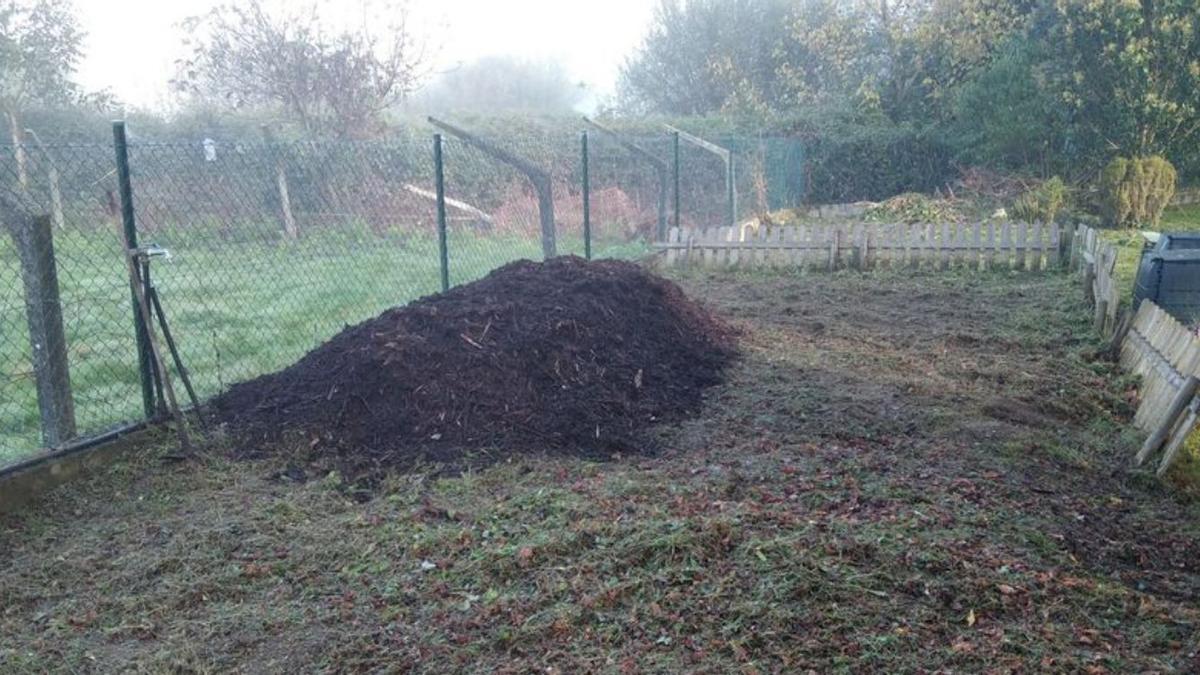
x=731 y=189
x=675 y=153
x=125 y=185
x=440 y=180
x=587 y=201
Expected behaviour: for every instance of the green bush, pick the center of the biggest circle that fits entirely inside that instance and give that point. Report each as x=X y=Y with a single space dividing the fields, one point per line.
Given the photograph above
x=1135 y=192
x=874 y=162
x=1042 y=204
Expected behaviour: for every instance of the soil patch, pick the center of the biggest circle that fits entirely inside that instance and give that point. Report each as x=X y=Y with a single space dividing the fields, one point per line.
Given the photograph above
x=566 y=355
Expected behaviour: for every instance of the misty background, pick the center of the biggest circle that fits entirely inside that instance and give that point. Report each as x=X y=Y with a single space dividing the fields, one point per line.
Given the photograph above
x=524 y=54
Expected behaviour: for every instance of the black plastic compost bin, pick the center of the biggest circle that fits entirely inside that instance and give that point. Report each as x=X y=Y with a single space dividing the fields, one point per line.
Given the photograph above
x=1169 y=275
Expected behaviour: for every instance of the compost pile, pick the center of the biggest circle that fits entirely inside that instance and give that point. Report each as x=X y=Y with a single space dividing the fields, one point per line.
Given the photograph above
x=565 y=355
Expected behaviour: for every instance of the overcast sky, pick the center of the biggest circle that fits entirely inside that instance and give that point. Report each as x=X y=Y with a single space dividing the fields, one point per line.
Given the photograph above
x=132 y=44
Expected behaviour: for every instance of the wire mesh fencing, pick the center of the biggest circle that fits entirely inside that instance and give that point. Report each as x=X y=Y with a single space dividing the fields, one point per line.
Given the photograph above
x=632 y=188
x=276 y=246
x=76 y=185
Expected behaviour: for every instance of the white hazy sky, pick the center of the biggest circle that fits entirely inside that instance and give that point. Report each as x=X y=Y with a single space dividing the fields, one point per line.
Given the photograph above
x=132 y=44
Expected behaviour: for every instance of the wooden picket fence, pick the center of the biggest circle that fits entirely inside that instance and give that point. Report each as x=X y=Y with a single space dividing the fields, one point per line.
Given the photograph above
x=1019 y=246
x=1151 y=344
x=1097 y=260
x=1166 y=356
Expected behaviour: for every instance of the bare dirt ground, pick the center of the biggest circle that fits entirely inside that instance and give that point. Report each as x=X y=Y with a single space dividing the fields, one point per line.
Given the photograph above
x=902 y=474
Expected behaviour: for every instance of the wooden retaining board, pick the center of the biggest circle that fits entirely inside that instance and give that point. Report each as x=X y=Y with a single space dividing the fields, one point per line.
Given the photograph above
x=1018 y=246
x=1163 y=353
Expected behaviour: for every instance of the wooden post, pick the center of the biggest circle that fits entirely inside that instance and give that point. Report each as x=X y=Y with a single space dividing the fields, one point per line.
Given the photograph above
x=34 y=241
x=1113 y=351
x=285 y=203
x=14 y=128
x=281 y=184
x=1184 y=396
x=540 y=179
x=56 y=202
x=915 y=245
x=1181 y=435
x=1089 y=281
x=1101 y=319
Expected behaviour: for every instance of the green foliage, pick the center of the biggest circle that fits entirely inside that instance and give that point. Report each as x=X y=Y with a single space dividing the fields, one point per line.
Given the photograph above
x=40 y=44
x=906 y=59
x=1049 y=86
x=1007 y=120
x=873 y=161
x=1127 y=71
x=702 y=56
x=1135 y=192
x=1042 y=204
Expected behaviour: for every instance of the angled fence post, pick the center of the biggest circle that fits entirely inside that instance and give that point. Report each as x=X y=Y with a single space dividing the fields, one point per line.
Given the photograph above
x=726 y=156
x=34 y=240
x=659 y=166
x=125 y=187
x=540 y=179
x=439 y=178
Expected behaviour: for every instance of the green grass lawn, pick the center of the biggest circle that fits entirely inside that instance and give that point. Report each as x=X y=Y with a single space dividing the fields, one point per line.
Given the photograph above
x=240 y=305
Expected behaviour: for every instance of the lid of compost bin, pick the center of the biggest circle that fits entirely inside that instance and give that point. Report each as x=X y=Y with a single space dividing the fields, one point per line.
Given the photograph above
x=1179 y=241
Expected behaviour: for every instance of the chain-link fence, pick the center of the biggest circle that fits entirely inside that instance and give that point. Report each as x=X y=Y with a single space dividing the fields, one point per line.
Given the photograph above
x=276 y=246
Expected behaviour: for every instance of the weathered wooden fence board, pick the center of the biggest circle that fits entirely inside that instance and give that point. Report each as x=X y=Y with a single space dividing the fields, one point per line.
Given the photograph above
x=1097 y=260
x=867 y=246
x=1166 y=356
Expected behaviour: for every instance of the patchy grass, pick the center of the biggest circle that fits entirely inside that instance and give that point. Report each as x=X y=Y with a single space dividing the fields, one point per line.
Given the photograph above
x=902 y=475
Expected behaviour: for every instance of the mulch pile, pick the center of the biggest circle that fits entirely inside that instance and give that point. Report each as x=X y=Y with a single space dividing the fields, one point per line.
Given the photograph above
x=565 y=356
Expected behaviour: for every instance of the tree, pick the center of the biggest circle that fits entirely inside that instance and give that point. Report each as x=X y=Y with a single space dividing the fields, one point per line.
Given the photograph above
x=936 y=47
x=327 y=80
x=833 y=54
x=1006 y=118
x=1128 y=70
x=503 y=84
x=907 y=58
x=40 y=44
x=701 y=54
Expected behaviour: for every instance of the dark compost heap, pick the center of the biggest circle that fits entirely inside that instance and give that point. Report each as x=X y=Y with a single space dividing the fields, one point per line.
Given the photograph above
x=566 y=356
